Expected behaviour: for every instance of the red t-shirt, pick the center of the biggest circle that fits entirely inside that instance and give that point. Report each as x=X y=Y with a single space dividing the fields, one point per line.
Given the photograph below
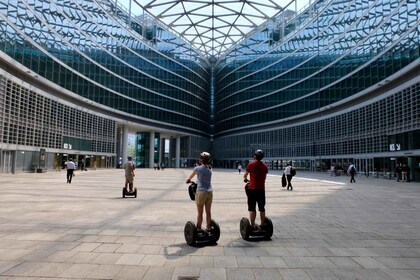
x=258 y=172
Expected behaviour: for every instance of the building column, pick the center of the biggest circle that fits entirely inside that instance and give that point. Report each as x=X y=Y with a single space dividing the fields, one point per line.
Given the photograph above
x=162 y=149
x=124 y=143
x=152 y=149
x=178 y=151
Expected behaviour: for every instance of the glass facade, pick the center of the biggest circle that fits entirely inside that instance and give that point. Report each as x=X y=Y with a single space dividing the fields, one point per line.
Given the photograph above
x=328 y=85
x=89 y=50
x=337 y=82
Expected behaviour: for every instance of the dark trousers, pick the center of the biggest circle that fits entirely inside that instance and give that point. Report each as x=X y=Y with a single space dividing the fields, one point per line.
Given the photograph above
x=69 y=174
x=352 y=178
x=289 y=181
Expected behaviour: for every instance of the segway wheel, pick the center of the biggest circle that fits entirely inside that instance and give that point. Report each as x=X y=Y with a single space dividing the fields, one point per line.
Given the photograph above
x=123 y=192
x=190 y=233
x=135 y=192
x=268 y=226
x=215 y=230
x=244 y=228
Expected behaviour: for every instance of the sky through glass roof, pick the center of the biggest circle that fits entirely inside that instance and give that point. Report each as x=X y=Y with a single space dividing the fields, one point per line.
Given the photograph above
x=214 y=26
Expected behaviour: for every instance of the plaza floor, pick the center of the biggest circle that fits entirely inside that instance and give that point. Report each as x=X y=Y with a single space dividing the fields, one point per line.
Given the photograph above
x=326 y=228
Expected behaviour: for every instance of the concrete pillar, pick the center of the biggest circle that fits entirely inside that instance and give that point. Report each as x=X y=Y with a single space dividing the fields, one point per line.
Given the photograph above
x=124 y=141
x=162 y=149
x=178 y=151
x=152 y=149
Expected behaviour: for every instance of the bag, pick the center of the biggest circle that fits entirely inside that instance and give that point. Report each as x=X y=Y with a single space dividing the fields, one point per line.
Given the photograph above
x=292 y=171
x=283 y=181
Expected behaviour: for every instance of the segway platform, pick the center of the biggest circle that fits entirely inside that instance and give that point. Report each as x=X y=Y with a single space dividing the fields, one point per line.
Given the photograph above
x=261 y=232
x=127 y=193
x=194 y=237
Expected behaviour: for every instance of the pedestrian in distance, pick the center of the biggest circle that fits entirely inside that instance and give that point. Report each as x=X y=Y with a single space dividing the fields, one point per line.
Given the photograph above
x=289 y=171
x=352 y=170
x=257 y=170
x=404 y=172
x=398 y=170
x=204 y=193
x=239 y=168
x=70 y=166
x=129 y=174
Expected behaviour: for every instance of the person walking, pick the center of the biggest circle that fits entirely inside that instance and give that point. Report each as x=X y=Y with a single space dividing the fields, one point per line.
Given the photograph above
x=204 y=193
x=239 y=168
x=256 y=190
x=70 y=166
x=352 y=170
x=398 y=170
x=288 y=171
x=129 y=174
x=404 y=172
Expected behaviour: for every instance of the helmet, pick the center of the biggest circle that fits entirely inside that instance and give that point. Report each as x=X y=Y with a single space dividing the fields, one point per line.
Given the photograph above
x=259 y=154
x=205 y=156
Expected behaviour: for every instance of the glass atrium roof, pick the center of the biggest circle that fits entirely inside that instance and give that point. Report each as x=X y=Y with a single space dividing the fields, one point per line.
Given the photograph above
x=213 y=26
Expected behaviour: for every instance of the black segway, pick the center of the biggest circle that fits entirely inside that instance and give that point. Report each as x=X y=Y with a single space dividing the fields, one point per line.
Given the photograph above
x=248 y=232
x=192 y=235
x=264 y=231
x=125 y=192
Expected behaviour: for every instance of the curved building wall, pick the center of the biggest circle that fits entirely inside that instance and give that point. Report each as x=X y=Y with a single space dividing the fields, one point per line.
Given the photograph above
x=314 y=85
x=106 y=71
x=90 y=50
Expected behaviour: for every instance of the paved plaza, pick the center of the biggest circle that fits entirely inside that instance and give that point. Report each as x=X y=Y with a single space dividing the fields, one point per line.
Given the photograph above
x=326 y=228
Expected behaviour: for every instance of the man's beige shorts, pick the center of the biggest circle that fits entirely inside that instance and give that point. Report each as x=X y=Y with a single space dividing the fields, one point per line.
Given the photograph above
x=202 y=198
x=129 y=179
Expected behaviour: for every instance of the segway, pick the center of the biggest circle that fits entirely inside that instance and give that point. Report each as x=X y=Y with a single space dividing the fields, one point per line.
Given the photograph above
x=195 y=237
x=248 y=232
x=192 y=235
x=125 y=192
x=264 y=231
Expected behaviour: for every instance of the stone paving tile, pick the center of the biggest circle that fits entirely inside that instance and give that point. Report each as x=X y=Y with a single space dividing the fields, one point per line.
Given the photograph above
x=239 y=274
x=24 y=269
x=213 y=273
x=193 y=272
x=106 y=258
x=321 y=262
x=320 y=274
x=294 y=274
x=153 y=260
x=225 y=261
x=324 y=229
x=201 y=261
x=344 y=262
x=161 y=273
x=83 y=257
x=79 y=271
x=398 y=274
x=177 y=261
x=13 y=254
x=249 y=262
x=7 y=265
x=375 y=274
x=104 y=272
x=131 y=273
x=51 y=270
x=130 y=259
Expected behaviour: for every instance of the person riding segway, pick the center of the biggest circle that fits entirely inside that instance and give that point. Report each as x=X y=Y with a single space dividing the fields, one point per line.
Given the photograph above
x=255 y=192
x=202 y=193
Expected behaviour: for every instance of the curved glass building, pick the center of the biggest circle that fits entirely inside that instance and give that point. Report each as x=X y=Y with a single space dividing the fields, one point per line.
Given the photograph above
x=334 y=83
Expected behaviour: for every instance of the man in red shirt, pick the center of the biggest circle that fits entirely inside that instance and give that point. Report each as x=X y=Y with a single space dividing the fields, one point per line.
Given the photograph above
x=256 y=191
